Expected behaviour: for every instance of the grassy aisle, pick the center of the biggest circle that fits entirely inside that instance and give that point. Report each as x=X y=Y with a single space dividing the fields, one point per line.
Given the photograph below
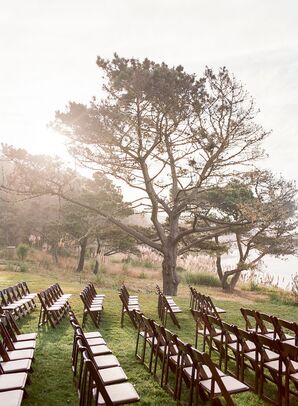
x=52 y=383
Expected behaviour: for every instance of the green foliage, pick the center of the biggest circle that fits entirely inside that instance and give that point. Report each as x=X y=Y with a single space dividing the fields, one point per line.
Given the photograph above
x=278 y=297
x=23 y=266
x=202 y=278
x=254 y=286
x=23 y=251
x=139 y=262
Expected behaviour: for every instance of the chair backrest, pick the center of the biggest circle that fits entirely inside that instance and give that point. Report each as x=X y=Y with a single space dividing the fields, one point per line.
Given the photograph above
x=265 y=321
x=280 y=325
x=198 y=318
x=199 y=359
x=91 y=385
x=288 y=353
x=251 y=320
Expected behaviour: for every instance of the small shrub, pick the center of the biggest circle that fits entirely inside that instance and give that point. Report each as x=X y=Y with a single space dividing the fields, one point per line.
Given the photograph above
x=23 y=267
x=253 y=286
x=142 y=275
x=180 y=269
x=22 y=251
x=125 y=267
x=102 y=269
x=202 y=278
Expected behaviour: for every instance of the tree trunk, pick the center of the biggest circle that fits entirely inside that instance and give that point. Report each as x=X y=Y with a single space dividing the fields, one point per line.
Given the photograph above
x=96 y=266
x=230 y=286
x=55 y=253
x=83 y=245
x=169 y=274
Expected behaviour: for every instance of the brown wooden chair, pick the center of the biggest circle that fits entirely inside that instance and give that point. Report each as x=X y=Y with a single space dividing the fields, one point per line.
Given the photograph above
x=289 y=359
x=200 y=328
x=92 y=387
x=13 y=355
x=128 y=307
x=13 y=329
x=283 y=328
x=167 y=307
x=13 y=381
x=210 y=383
x=10 y=365
x=252 y=322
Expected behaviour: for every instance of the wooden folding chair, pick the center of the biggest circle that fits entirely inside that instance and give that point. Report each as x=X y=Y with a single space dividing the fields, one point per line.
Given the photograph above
x=211 y=383
x=14 y=345
x=93 y=310
x=171 y=309
x=252 y=322
x=12 y=382
x=200 y=328
x=128 y=308
x=289 y=359
x=11 y=365
x=92 y=388
x=13 y=329
x=283 y=327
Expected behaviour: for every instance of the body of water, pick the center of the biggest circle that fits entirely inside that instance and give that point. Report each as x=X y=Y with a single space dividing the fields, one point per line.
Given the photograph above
x=280 y=270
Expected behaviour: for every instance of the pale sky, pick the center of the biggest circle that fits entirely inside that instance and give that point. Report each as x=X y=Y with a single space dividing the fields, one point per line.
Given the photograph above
x=49 y=49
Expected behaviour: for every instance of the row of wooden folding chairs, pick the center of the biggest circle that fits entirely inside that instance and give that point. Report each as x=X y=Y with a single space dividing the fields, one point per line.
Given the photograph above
x=16 y=357
x=129 y=303
x=93 y=304
x=167 y=307
x=17 y=299
x=97 y=372
x=54 y=305
x=163 y=353
x=199 y=301
x=270 y=326
x=269 y=359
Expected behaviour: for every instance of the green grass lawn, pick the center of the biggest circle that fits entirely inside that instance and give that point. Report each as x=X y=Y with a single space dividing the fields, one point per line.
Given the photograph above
x=52 y=381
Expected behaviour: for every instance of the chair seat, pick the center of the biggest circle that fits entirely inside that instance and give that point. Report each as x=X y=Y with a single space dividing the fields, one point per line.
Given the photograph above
x=119 y=394
x=92 y=334
x=24 y=345
x=112 y=375
x=96 y=341
x=232 y=385
x=21 y=365
x=26 y=337
x=106 y=361
x=205 y=371
x=11 y=398
x=13 y=381
x=20 y=354
x=95 y=308
x=274 y=365
x=271 y=355
x=100 y=350
x=218 y=338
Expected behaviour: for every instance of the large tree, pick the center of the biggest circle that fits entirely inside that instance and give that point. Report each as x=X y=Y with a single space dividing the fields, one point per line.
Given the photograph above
x=170 y=137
